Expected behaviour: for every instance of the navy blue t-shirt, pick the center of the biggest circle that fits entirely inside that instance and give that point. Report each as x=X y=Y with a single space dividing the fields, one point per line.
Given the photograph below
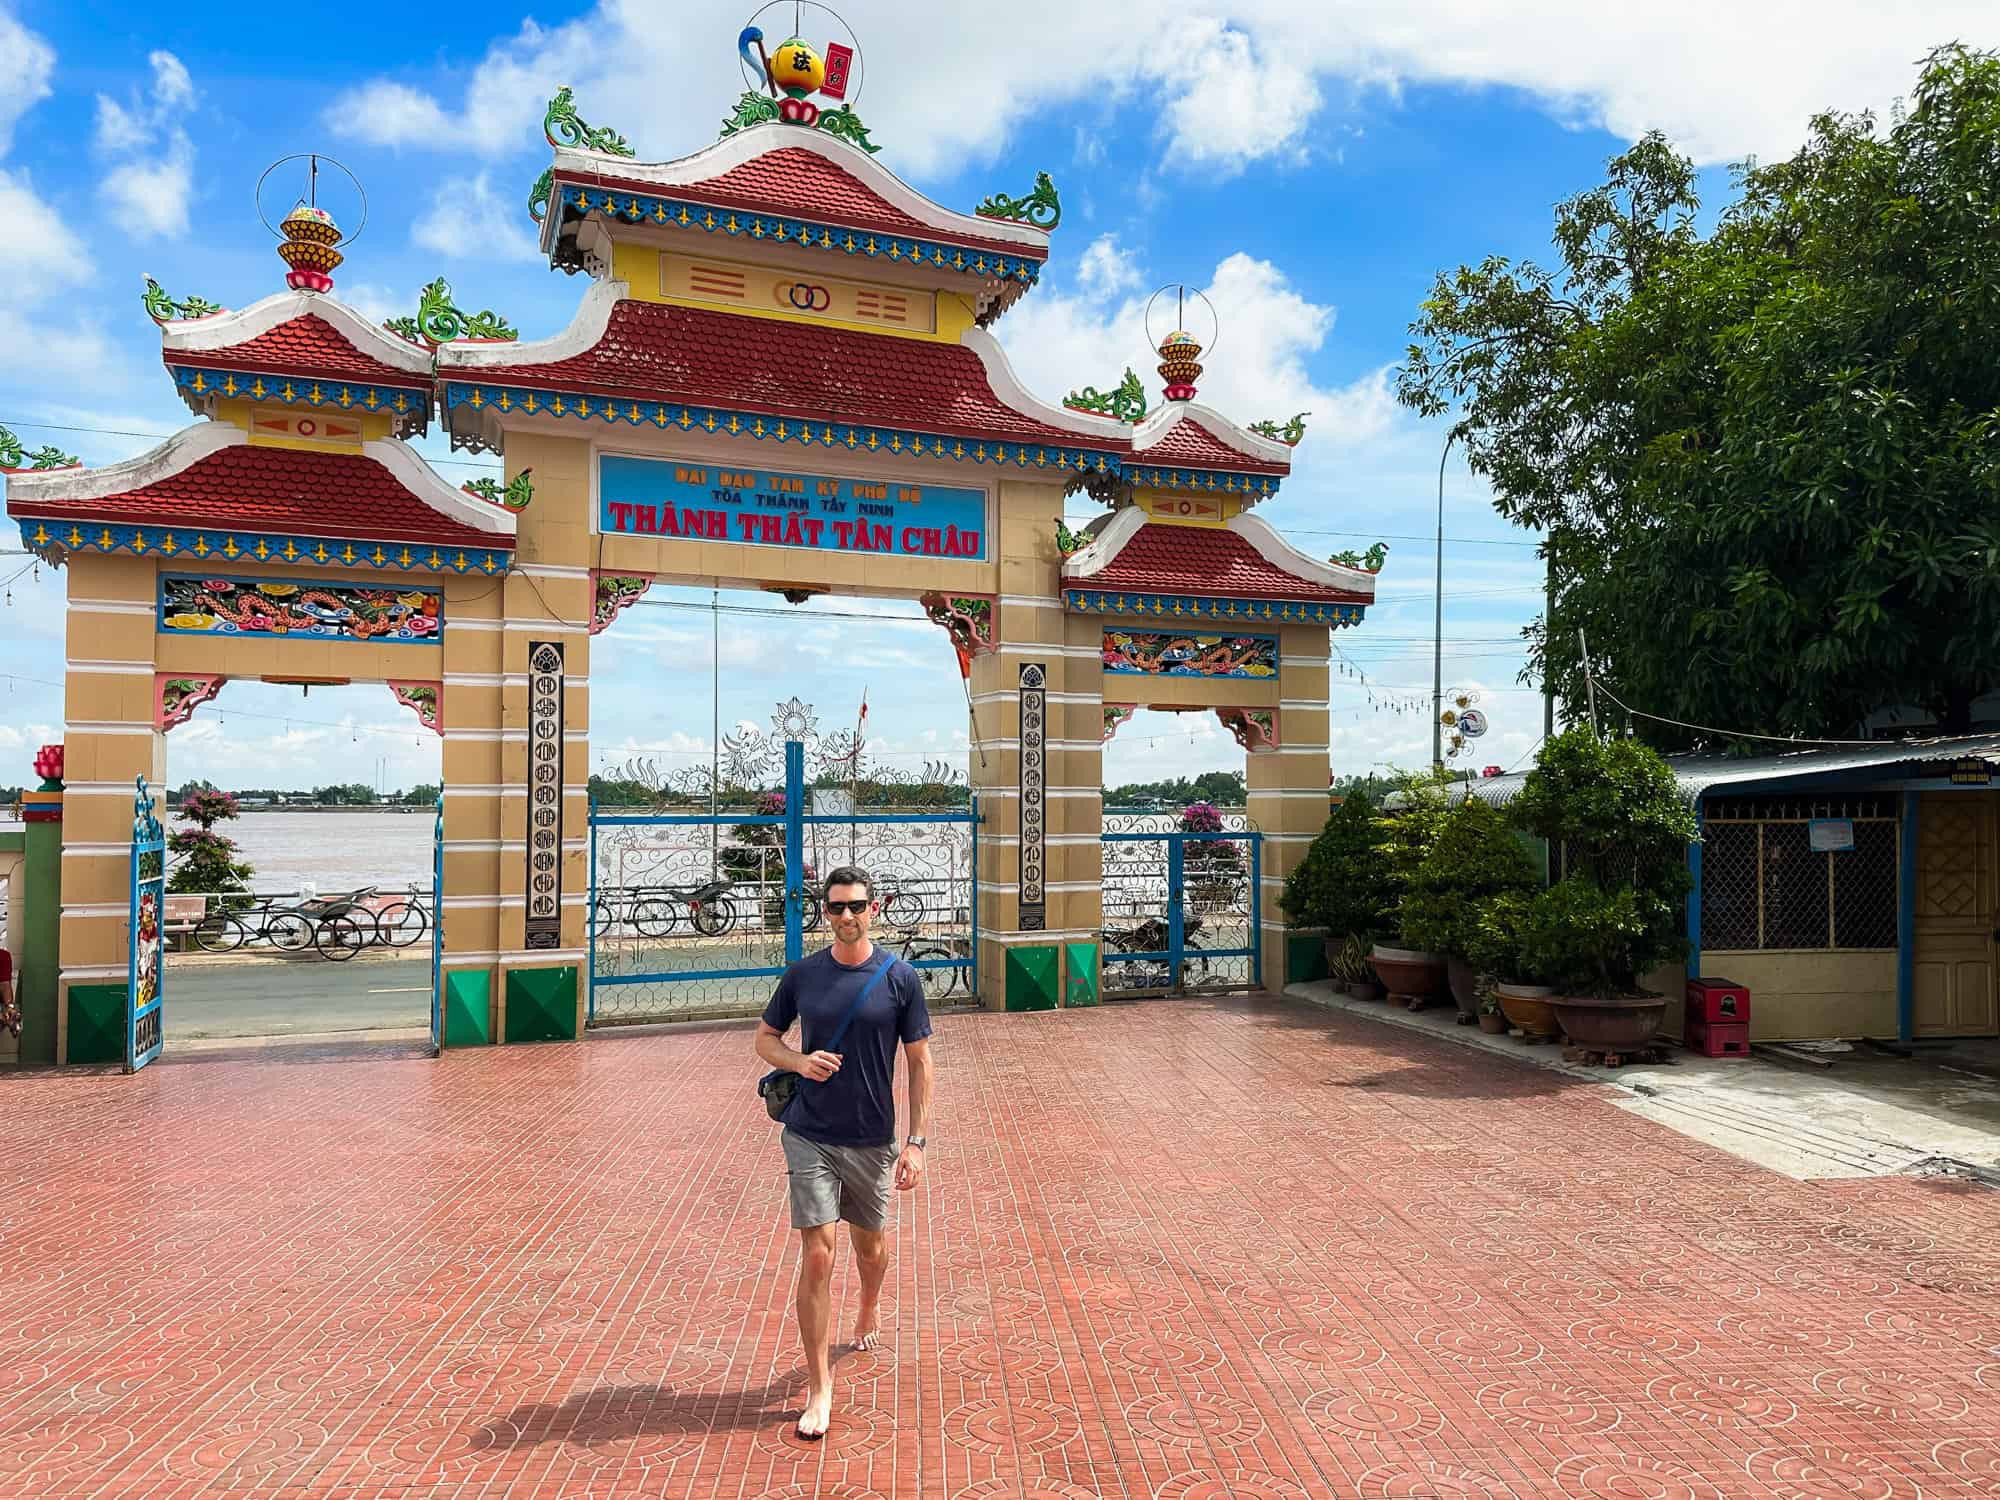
x=857 y=1106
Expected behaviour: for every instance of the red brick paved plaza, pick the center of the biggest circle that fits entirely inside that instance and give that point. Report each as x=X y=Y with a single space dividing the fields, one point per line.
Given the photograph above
x=1187 y=1250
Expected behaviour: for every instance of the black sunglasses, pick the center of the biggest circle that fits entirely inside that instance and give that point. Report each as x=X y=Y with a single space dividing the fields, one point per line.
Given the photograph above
x=852 y=908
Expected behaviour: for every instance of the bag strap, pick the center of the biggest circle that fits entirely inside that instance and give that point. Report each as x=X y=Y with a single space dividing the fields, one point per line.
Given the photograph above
x=881 y=973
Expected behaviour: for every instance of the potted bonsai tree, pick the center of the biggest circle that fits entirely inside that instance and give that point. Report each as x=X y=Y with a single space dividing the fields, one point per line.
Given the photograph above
x=1508 y=938
x=1341 y=887
x=1474 y=857
x=1613 y=809
x=1410 y=972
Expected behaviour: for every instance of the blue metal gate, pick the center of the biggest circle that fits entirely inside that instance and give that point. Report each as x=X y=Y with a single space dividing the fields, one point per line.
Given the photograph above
x=437 y=933
x=145 y=966
x=695 y=915
x=1182 y=910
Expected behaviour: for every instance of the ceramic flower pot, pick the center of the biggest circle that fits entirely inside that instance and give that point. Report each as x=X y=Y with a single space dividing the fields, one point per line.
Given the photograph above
x=1464 y=985
x=1624 y=1023
x=1493 y=1023
x=1530 y=1008
x=1407 y=971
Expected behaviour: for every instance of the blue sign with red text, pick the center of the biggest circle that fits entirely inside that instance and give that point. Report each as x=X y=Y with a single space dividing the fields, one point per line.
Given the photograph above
x=728 y=503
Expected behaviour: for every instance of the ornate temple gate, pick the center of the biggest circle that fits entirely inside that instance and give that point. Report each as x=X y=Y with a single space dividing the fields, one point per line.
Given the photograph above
x=697 y=914
x=1183 y=908
x=783 y=378
x=146 y=970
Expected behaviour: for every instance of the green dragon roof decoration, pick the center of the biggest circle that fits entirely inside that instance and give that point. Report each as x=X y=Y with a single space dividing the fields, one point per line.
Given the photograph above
x=164 y=309
x=439 y=320
x=520 y=490
x=14 y=461
x=842 y=124
x=1042 y=208
x=565 y=127
x=1290 y=432
x=1125 y=403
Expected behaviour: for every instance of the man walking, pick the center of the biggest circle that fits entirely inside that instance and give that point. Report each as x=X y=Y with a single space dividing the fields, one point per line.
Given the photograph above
x=840 y=1127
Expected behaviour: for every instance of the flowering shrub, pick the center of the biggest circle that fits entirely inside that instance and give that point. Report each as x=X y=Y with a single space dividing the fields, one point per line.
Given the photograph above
x=1201 y=817
x=208 y=859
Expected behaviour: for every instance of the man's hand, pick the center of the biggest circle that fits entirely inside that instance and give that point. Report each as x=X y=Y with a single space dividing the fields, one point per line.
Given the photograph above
x=819 y=1066
x=909 y=1168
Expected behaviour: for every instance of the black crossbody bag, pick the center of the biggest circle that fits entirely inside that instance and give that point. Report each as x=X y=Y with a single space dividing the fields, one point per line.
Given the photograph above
x=777 y=1087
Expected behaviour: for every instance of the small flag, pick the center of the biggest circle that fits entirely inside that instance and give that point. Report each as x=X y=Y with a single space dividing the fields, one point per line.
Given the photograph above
x=839 y=60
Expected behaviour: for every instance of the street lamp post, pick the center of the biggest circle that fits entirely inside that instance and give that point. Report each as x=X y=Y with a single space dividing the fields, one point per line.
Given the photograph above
x=1437 y=630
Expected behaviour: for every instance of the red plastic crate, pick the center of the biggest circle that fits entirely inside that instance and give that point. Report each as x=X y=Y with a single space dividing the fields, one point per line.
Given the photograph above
x=1718 y=1038
x=1718 y=1000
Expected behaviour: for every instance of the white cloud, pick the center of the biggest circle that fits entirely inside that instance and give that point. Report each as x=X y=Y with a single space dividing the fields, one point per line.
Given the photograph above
x=39 y=255
x=153 y=193
x=1234 y=100
x=151 y=189
x=1106 y=269
x=472 y=222
x=26 y=61
x=1061 y=341
x=1722 y=78
x=375 y=301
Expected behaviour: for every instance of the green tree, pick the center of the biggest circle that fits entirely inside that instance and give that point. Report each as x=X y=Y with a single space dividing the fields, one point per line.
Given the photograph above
x=1766 y=460
x=1343 y=883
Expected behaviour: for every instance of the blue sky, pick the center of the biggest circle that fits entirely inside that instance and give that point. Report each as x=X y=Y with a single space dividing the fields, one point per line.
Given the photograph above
x=1312 y=166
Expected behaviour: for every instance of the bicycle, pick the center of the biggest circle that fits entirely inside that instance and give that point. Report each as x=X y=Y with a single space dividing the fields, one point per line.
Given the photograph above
x=326 y=925
x=1152 y=936
x=939 y=982
x=400 y=922
x=710 y=910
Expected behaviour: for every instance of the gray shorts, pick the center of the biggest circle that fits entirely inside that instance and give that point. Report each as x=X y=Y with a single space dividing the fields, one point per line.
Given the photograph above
x=838 y=1182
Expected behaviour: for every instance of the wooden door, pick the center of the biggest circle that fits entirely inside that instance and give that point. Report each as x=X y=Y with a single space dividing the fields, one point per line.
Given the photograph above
x=1955 y=910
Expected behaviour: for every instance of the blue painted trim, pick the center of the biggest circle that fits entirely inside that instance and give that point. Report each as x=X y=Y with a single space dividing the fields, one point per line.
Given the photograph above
x=972 y=901
x=1257 y=911
x=1694 y=896
x=705 y=820
x=590 y=922
x=728 y=422
x=937 y=817
x=795 y=850
x=149 y=837
x=1205 y=607
x=357 y=397
x=194 y=546
x=1906 y=921
x=437 y=929
x=678 y=213
x=676 y=976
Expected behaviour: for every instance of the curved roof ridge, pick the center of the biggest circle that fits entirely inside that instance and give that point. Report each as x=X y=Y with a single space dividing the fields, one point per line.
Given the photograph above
x=210 y=339
x=732 y=151
x=1177 y=429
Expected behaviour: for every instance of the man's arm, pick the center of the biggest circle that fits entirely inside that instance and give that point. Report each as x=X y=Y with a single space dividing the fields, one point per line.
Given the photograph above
x=910 y=1162
x=818 y=1066
x=918 y=1054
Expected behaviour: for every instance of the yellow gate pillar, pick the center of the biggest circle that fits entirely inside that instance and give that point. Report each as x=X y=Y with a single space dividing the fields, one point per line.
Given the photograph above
x=1037 y=769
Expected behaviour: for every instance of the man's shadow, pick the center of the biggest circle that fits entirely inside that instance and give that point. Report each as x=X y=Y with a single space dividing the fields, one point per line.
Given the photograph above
x=610 y=1414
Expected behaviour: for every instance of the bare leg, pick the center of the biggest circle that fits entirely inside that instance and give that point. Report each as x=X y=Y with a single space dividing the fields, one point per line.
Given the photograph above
x=815 y=1308
x=871 y=1259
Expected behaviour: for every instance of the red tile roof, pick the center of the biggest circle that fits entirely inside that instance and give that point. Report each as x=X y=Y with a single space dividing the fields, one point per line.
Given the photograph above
x=802 y=184
x=654 y=352
x=279 y=491
x=1210 y=561
x=1189 y=445
x=308 y=346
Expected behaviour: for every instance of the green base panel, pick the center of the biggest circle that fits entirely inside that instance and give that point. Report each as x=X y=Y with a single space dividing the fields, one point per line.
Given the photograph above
x=468 y=1007
x=1080 y=963
x=97 y=1023
x=541 y=1004
x=1305 y=957
x=1031 y=978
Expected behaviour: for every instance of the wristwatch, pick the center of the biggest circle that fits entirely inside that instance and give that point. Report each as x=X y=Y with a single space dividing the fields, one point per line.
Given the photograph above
x=917 y=1141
